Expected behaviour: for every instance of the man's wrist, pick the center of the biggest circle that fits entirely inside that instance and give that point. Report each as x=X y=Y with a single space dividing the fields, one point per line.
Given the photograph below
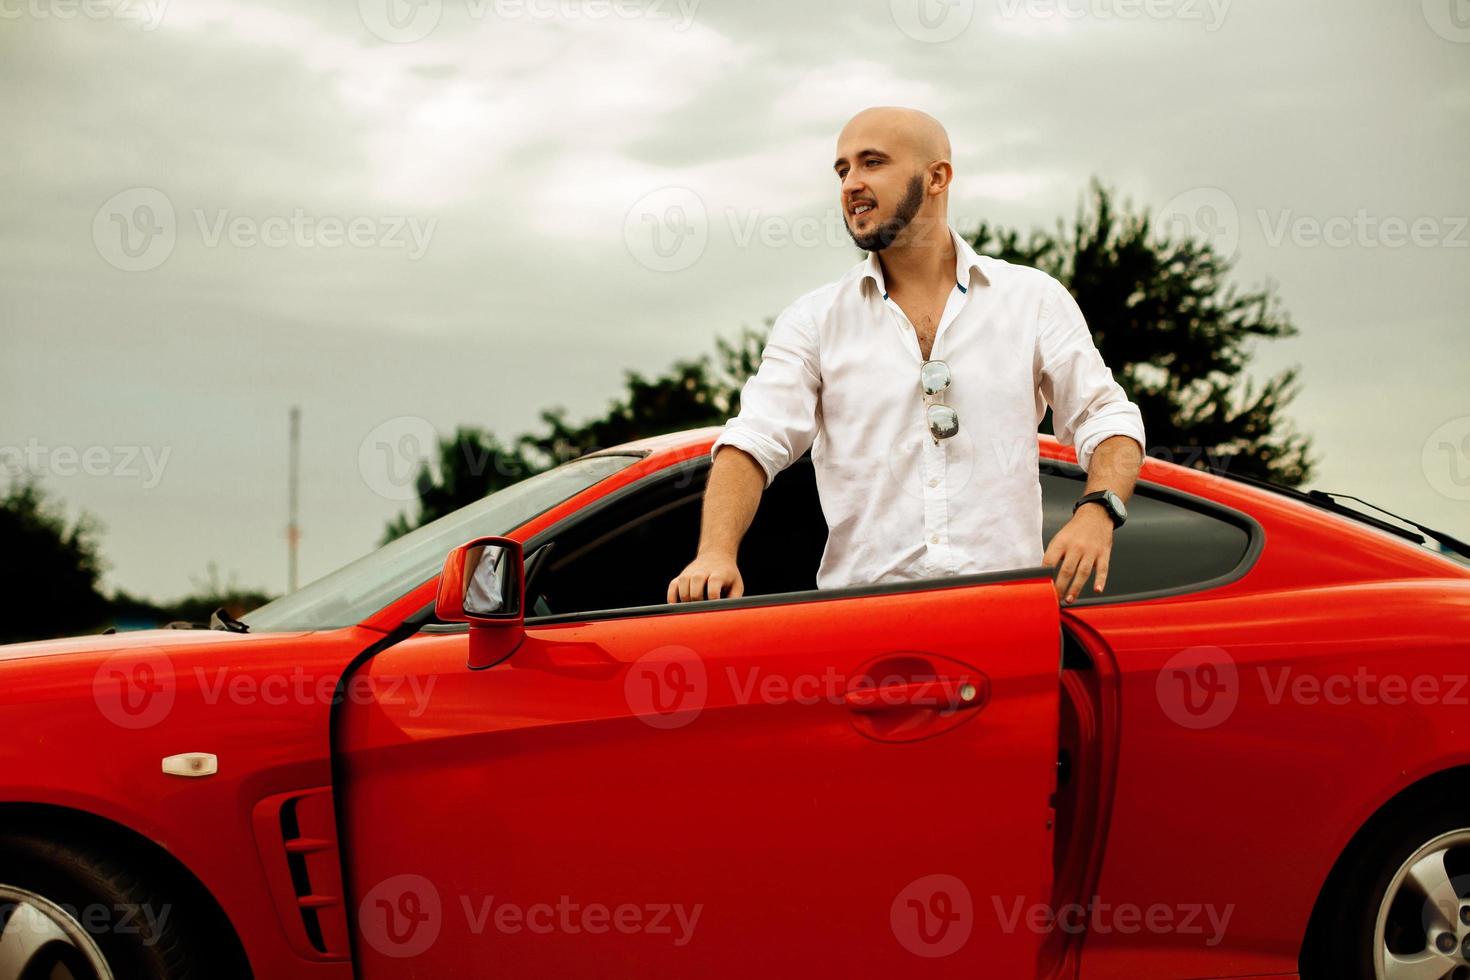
x=1108 y=502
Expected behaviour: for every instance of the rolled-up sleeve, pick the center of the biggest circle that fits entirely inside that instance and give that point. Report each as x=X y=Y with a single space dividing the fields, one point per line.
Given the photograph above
x=1087 y=404
x=778 y=405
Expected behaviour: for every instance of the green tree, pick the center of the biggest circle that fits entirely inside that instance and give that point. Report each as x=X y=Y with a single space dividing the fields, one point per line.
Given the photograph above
x=52 y=566
x=1177 y=334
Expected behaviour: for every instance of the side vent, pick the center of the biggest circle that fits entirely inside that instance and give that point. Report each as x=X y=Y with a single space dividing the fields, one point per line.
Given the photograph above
x=297 y=836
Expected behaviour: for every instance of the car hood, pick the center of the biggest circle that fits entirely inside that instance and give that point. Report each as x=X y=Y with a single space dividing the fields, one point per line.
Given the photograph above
x=105 y=645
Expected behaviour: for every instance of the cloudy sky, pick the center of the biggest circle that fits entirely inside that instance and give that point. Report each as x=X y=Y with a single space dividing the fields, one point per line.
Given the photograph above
x=407 y=216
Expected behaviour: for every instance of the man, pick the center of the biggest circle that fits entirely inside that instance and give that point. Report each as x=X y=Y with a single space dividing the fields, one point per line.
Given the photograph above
x=918 y=381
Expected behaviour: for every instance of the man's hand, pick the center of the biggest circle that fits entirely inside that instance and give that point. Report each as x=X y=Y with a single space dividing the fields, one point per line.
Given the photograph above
x=707 y=577
x=1082 y=546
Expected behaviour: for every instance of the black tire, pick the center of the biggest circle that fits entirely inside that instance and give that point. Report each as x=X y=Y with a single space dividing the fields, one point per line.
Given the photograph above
x=1341 y=939
x=140 y=928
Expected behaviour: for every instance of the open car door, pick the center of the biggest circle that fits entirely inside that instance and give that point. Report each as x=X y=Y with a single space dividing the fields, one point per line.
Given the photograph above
x=853 y=782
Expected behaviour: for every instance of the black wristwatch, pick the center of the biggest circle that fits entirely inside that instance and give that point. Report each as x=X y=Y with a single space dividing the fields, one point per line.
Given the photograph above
x=1110 y=502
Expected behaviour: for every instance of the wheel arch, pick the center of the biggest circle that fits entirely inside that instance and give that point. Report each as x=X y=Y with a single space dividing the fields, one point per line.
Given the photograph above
x=1454 y=780
x=69 y=825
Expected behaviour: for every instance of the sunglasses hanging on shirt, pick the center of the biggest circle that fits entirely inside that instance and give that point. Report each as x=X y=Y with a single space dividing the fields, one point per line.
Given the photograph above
x=934 y=379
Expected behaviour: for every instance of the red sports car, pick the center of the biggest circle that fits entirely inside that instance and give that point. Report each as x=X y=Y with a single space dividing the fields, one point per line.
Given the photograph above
x=1249 y=758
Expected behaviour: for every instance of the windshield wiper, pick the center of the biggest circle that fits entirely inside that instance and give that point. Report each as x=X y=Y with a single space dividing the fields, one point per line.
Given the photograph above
x=1449 y=541
x=220 y=619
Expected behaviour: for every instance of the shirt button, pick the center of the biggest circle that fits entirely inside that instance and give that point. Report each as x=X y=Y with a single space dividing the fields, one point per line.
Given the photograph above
x=933 y=539
x=934 y=482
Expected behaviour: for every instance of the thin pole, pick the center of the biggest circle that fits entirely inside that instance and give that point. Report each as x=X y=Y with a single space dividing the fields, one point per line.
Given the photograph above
x=293 y=529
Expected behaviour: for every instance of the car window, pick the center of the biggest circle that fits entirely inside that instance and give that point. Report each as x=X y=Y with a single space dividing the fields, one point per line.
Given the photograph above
x=1164 y=546
x=625 y=554
x=356 y=591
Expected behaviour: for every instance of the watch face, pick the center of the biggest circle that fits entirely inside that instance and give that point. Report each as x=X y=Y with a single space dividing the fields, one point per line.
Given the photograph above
x=1115 y=504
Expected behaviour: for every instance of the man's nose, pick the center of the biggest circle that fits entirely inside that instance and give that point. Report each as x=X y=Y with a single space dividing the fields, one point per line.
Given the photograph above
x=852 y=184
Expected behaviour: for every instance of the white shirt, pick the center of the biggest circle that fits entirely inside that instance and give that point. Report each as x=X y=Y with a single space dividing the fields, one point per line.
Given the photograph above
x=840 y=375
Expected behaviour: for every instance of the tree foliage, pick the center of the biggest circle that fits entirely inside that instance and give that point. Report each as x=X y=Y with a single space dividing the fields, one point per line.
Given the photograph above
x=52 y=566
x=1177 y=334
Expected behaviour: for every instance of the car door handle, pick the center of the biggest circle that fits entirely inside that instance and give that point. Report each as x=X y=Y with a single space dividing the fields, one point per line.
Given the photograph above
x=938 y=693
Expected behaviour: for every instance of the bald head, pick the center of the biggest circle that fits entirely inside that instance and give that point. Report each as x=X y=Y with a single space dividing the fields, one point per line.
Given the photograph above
x=895 y=172
x=908 y=129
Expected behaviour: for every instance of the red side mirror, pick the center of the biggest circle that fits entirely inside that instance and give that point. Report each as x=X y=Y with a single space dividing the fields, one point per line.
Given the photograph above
x=484 y=584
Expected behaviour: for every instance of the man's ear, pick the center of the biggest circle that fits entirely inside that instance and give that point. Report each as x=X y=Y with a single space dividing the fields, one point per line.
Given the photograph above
x=941 y=174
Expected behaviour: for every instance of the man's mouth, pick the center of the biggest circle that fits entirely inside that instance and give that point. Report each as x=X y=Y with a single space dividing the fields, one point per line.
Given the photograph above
x=861 y=208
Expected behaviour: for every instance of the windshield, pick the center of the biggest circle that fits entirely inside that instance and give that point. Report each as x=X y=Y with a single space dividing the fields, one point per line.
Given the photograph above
x=352 y=593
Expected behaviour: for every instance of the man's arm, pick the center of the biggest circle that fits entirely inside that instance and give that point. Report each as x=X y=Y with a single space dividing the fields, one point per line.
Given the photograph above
x=776 y=424
x=1091 y=411
x=731 y=497
x=1085 y=543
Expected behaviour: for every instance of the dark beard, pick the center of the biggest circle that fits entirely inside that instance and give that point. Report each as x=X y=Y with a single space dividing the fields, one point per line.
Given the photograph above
x=883 y=236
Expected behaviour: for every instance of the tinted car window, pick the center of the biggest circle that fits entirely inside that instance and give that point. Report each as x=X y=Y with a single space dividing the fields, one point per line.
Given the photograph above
x=1163 y=546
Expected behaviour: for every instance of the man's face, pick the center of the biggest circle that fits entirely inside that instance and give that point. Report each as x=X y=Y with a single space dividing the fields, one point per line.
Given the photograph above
x=882 y=191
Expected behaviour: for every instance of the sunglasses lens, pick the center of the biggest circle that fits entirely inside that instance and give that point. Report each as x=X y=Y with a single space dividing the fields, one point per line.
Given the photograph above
x=934 y=376
x=943 y=422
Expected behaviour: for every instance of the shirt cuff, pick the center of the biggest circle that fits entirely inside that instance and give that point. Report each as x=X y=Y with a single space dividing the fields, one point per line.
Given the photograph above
x=1121 y=420
x=762 y=450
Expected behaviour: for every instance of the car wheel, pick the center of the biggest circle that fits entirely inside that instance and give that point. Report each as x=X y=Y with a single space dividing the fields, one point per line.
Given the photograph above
x=1402 y=911
x=70 y=914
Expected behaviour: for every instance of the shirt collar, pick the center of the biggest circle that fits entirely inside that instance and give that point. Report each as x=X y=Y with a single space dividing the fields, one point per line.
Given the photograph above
x=966 y=260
